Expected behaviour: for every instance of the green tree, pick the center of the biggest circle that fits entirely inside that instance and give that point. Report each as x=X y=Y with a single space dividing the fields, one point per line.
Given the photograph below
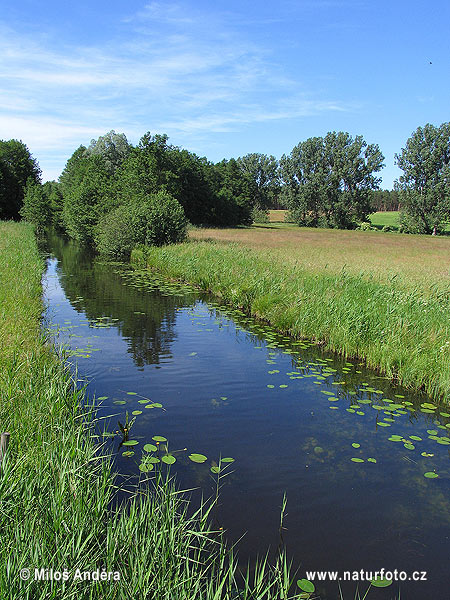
x=261 y=174
x=36 y=206
x=424 y=187
x=17 y=167
x=114 y=148
x=328 y=181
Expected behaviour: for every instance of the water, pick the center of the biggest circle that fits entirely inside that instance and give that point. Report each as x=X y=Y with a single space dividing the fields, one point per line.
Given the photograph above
x=288 y=414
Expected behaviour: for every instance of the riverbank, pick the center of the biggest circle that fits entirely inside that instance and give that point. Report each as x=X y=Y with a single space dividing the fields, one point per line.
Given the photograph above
x=57 y=484
x=395 y=321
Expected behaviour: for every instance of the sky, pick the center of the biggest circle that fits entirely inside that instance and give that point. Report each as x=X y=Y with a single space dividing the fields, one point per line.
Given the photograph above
x=221 y=79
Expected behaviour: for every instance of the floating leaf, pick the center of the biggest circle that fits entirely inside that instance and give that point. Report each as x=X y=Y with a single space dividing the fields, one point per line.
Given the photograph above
x=119 y=402
x=431 y=475
x=215 y=470
x=152 y=460
x=197 y=458
x=358 y=460
x=103 y=398
x=150 y=448
x=132 y=393
x=130 y=443
x=137 y=412
x=169 y=459
x=381 y=583
x=228 y=459
x=128 y=453
x=306 y=586
x=145 y=467
x=159 y=438
x=372 y=460
x=193 y=354
x=416 y=438
x=432 y=431
x=355 y=445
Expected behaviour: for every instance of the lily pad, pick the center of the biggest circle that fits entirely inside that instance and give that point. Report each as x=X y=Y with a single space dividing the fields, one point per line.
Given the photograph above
x=430 y=475
x=381 y=583
x=357 y=460
x=145 y=467
x=159 y=438
x=215 y=470
x=136 y=412
x=306 y=586
x=227 y=459
x=150 y=448
x=355 y=445
x=169 y=459
x=197 y=458
x=372 y=460
x=130 y=443
x=128 y=453
x=119 y=402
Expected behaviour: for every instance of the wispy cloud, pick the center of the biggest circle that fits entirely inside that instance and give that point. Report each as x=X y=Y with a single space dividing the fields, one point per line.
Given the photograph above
x=187 y=74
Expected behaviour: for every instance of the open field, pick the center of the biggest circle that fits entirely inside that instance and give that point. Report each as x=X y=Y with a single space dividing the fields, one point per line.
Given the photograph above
x=412 y=259
x=382 y=297
x=380 y=219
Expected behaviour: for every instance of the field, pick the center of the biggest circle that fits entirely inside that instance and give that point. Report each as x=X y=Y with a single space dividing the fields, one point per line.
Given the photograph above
x=380 y=219
x=382 y=297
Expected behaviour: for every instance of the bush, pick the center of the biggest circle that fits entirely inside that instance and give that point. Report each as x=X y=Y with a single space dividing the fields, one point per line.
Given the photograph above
x=260 y=216
x=366 y=227
x=157 y=220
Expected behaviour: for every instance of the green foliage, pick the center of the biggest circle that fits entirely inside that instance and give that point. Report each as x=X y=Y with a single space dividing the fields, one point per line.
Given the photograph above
x=424 y=187
x=87 y=191
x=17 y=167
x=261 y=175
x=36 y=206
x=155 y=221
x=113 y=147
x=260 y=216
x=328 y=181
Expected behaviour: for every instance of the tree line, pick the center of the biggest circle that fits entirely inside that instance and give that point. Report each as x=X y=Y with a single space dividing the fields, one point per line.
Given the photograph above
x=110 y=187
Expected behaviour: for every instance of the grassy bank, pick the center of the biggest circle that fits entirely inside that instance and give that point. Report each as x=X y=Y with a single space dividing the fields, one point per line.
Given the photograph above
x=57 y=486
x=397 y=322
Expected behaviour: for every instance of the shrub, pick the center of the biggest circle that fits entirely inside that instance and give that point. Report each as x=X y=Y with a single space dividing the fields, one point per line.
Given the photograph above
x=366 y=227
x=156 y=220
x=260 y=216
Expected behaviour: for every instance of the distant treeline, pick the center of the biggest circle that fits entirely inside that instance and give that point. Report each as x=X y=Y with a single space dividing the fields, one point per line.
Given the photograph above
x=112 y=189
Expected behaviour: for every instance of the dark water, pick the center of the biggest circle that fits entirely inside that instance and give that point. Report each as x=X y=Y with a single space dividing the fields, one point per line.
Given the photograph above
x=288 y=414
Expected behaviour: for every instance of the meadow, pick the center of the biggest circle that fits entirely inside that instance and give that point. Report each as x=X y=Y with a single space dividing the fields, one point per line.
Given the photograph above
x=380 y=297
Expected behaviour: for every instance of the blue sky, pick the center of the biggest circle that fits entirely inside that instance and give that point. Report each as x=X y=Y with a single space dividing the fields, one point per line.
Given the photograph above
x=221 y=78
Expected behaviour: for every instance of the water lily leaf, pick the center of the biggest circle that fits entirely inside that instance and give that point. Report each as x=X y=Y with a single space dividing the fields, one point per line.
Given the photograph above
x=381 y=583
x=355 y=445
x=432 y=431
x=102 y=398
x=151 y=460
x=306 y=586
x=132 y=393
x=372 y=460
x=192 y=353
x=159 y=438
x=145 y=467
x=130 y=443
x=215 y=470
x=150 y=448
x=197 y=458
x=416 y=438
x=137 y=412
x=227 y=459
x=128 y=453
x=169 y=459
x=119 y=402
x=431 y=475
x=357 y=460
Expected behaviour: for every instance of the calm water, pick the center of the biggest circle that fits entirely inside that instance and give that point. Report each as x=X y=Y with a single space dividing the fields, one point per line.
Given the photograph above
x=286 y=412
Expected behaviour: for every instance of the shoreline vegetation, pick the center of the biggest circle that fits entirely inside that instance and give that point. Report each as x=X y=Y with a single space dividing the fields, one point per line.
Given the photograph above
x=382 y=298
x=58 y=492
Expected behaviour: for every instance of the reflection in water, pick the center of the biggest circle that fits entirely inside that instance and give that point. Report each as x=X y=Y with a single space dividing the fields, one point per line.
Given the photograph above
x=350 y=450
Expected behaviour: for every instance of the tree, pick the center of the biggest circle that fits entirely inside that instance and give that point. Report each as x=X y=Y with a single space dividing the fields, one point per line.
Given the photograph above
x=36 y=206
x=424 y=187
x=328 y=181
x=261 y=174
x=17 y=167
x=114 y=148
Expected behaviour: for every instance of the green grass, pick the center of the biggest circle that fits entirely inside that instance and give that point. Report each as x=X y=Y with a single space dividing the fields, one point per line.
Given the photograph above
x=58 y=490
x=381 y=219
x=398 y=324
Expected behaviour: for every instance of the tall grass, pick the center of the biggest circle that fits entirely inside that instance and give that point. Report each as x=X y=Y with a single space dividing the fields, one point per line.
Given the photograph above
x=403 y=330
x=59 y=508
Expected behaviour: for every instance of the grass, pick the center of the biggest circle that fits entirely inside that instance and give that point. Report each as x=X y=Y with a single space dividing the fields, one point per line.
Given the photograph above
x=380 y=219
x=58 y=493
x=381 y=297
